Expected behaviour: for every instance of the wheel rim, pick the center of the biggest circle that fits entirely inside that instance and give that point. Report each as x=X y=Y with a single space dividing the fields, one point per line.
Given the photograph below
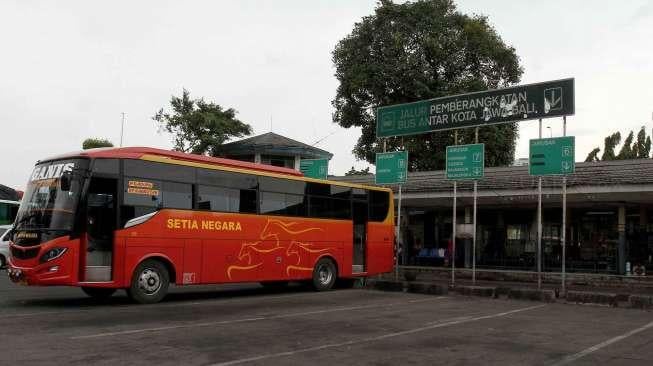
x=149 y=281
x=324 y=274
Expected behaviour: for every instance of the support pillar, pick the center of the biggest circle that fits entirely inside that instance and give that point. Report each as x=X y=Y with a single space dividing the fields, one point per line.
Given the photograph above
x=297 y=162
x=468 y=242
x=621 y=249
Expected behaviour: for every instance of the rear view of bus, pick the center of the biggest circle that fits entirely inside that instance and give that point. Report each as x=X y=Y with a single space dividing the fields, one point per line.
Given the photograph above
x=140 y=219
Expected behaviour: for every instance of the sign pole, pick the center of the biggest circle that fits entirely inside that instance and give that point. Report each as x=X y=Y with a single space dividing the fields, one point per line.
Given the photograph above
x=539 y=225
x=564 y=215
x=453 y=229
x=399 y=235
x=474 y=219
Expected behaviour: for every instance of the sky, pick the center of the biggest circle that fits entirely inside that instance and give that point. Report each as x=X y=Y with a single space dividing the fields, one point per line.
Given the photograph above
x=68 y=69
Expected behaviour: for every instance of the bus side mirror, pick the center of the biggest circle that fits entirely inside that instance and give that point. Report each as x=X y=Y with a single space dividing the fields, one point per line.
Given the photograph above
x=64 y=181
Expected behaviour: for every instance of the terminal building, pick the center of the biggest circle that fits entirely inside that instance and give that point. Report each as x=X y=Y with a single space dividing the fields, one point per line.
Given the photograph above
x=272 y=149
x=609 y=218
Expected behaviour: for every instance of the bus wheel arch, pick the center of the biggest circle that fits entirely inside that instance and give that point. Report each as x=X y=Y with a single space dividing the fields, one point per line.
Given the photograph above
x=325 y=273
x=172 y=271
x=150 y=280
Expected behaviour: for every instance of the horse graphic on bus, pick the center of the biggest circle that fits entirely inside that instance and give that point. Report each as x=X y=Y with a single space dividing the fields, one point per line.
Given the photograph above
x=286 y=243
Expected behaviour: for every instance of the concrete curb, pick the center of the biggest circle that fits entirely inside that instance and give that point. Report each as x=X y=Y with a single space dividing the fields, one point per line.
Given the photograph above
x=482 y=291
x=531 y=294
x=599 y=298
x=385 y=285
x=640 y=302
x=427 y=288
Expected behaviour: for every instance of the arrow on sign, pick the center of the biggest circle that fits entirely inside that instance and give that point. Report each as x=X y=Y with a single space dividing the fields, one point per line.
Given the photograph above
x=552 y=99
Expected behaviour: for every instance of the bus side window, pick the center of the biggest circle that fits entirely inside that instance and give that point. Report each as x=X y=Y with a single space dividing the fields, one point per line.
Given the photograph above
x=379 y=205
x=177 y=195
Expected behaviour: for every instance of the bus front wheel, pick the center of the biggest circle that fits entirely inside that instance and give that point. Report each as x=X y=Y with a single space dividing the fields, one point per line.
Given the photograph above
x=149 y=283
x=99 y=293
x=324 y=275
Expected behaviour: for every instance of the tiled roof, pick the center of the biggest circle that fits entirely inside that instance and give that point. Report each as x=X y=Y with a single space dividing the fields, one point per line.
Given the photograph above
x=620 y=172
x=273 y=143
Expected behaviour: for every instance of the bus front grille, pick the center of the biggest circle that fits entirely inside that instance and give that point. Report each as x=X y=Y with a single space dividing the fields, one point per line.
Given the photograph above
x=24 y=254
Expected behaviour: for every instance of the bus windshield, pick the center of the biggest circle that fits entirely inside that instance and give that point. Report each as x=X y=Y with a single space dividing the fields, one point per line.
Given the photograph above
x=50 y=202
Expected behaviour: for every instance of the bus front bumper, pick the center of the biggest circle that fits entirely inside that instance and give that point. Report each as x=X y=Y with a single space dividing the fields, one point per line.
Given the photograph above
x=43 y=275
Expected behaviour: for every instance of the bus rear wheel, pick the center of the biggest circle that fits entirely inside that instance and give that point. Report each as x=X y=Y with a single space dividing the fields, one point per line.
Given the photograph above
x=324 y=275
x=99 y=293
x=149 y=283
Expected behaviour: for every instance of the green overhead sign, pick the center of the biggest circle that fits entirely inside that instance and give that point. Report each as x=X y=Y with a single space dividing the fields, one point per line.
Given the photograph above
x=465 y=161
x=314 y=168
x=553 y=156
x=392 y=167
x=519 y=103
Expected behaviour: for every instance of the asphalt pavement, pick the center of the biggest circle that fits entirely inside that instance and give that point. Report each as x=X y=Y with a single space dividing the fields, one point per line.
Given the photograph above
x=249 y=325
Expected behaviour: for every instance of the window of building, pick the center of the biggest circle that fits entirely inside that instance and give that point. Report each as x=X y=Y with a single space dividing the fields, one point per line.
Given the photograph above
x=280 y=161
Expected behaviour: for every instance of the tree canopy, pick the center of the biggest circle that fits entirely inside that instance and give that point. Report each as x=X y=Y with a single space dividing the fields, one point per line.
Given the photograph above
x=421 y=50
x=92 y=143
x=198 y=126
x=353 y=171
x=631 y=148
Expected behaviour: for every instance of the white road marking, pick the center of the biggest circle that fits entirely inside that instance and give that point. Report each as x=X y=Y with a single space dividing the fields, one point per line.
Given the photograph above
x=90 y=308
x=442 y=323
x=585 y=352
x=253 y=319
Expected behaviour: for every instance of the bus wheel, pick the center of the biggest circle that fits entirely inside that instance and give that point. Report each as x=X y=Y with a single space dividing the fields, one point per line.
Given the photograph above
x=324 y=275
x=150 y=282
x=99 y=293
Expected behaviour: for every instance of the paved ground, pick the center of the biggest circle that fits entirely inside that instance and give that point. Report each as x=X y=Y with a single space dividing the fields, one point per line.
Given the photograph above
x=232 y=325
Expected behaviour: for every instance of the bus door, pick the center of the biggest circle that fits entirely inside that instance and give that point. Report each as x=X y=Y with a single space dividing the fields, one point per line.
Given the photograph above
x=100 y=226
x=360 y=215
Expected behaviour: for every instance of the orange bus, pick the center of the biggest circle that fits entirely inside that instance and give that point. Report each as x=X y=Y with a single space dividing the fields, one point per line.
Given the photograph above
x=142 y=218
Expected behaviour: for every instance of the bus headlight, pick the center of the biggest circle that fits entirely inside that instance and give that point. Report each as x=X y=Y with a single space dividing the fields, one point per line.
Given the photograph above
x=52 y=254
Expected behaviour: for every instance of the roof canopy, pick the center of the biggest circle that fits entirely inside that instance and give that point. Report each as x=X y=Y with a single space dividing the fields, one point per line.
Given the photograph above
x=273 y=144
x=619 y=181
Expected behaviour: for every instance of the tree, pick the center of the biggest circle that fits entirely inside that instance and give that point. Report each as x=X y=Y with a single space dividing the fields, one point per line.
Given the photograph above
x=610 y=143
x=353 y=171
x=626 y=151
x=92 y=143
x=593 y=156
x=420 y=50
x=642 y=147
x=639 y=149
x=200 y=127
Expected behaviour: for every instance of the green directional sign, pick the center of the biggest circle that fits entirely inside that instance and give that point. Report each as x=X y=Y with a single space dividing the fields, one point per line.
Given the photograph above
x=392 y=167
x=465 y=161
x=553 y=156
x=314 y=168
x=514 y=104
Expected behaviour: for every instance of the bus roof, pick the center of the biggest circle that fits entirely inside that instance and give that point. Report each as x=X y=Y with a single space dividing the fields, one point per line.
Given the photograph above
x=140 y=152
x=180 y=158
